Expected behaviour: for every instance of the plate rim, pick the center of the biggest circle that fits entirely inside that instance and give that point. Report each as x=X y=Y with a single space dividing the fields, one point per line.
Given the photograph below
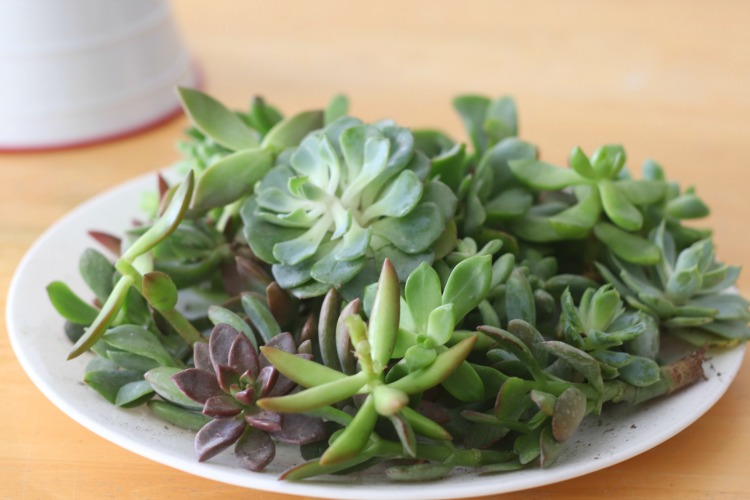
x=268 y=482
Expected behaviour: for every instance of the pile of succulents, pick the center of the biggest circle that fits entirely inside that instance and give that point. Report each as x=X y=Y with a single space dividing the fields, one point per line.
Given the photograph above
x=387 y=295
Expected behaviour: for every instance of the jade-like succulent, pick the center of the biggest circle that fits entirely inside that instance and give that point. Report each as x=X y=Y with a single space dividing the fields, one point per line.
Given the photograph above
x=689 y=292
x=228 y=378
x=351 y=193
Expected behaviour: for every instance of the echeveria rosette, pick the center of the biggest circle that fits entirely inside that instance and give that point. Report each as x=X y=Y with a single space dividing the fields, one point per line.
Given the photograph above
x=599 y=190
x=349 y=194
x=228 y=378
x=688 y=291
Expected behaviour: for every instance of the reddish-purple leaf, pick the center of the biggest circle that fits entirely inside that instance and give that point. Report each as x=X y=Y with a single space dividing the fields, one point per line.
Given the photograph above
x=252 y=271
x=227 y=377
x=197 y=384
x=221 y=407
x=283 y=341
x=217 y=435
x=300 y=429
x=111 y=243
x=309 y=329
x=202 y=358
x=255 y=450
x=162 y=184
x=233 y=283
x=243 y=357
x=280 y=303
x=265 y=420
x=246 y=397
x=266 y=379
x=219 y=343
x=433 y=411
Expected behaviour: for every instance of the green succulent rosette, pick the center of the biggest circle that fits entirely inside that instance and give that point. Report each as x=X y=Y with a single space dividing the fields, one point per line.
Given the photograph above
x=350 y=196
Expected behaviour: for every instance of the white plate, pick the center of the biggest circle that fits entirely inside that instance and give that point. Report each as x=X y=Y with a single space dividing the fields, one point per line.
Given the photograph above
x=36 y=333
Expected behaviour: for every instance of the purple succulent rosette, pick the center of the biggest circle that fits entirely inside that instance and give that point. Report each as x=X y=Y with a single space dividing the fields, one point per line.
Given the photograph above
x=229 y=376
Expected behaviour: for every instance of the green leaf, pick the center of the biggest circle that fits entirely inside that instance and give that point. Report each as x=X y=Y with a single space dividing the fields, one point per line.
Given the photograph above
x=108 y=382
x=98 y=272
x=570 y=408
x=134 y=394
x=355 y=436
x=608 y=161
x=440 y=324
x=501 y=120
x=160 y=291
x=437 y=371
x=135 y=339
x=216 y=121
x=629 y=247
x=260 y=317
x=69 y=305
x=165 y=224
x=423 y=294
x=317 y=396
x=464 y=384
x=473 y=110
x=384 y=316
x=543 y=176
x=640 y=372
x=178 y=416
x=618 y=208
x=576 y=221
x=468 y=285
x=300 y=370
x=399 y=198
x=161 y=380
x=263 y=116
x=687 y=206
x=415 y=232
x=641 y=192
x=508 y=204
x=231 y=178
x=290 y=131
x=337 y=107
x=519 y=298
x=218 y=314
x=417 y=357
x=579 y=360
x=580 y=163
x=296 y=250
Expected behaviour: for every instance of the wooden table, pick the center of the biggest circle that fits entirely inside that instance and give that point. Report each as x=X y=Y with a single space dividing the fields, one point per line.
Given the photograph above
x=669 y=80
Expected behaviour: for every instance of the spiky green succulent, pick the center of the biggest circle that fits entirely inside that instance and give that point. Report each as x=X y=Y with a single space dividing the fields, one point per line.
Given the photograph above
x=688 y=291
x=348 y=195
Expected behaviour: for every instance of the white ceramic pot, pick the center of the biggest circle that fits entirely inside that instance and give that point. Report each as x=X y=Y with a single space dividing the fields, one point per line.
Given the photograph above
x=79 y=71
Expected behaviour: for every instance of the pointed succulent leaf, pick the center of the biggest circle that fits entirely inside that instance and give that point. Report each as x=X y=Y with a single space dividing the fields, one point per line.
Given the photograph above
x=97 y=271
x=230 y=178
x=317 y=396
x=544 y=401
x=608 y=160
x=528 y=446
x=69 y=305
x=517 y=348
x=384 y=317
x=139 y=341
x=260 y=317
x=425 y=426
x=576 y=221
x=242 y=356
x=290 y=131
x=218 y=315
x=216 y=121
x=579 y=162
x=405 y=434
x=219 y=343
x=437 y=371
x=354 y=437
x=388 y=401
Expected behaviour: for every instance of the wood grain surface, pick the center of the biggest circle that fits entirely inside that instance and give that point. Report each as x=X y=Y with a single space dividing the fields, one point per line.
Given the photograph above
x=669 y=80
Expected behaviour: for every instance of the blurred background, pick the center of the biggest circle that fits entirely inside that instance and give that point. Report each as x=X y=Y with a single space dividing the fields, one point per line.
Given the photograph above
x=669 y=80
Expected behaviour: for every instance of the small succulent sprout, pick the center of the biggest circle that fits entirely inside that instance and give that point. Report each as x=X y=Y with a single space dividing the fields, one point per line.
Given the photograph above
x=373 y=346
x=689 y=292
x=228 y=378
x=351 y=193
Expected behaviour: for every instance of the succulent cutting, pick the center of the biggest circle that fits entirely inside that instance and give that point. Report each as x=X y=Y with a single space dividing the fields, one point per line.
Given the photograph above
x=374 y=294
